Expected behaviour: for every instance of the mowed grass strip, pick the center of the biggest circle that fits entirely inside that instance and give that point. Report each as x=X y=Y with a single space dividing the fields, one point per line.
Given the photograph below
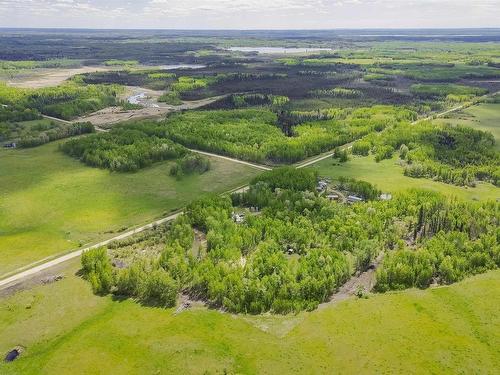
x=67 y=330
x=388 y=176
x=50 y=202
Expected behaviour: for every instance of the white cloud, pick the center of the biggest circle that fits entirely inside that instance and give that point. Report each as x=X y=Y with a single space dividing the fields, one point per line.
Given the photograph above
x=249 y=13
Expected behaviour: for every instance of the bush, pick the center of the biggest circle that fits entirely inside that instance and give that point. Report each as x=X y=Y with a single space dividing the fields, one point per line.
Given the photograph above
x=341 y=155
x=97 y=268
x=361 y=148
x=189 y=164
x=383 y=152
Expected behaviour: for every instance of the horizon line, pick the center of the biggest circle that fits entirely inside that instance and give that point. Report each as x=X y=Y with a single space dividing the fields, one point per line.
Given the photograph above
x=250 y=29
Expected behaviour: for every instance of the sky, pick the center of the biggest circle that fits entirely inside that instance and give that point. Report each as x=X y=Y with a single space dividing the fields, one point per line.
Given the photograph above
x=250 y=14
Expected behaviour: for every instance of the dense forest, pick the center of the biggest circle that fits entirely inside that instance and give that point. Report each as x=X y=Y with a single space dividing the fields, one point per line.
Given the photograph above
x=297 y=248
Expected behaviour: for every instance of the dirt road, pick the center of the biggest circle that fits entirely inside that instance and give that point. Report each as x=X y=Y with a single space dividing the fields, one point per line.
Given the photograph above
x=257 y=166
x=20 y=274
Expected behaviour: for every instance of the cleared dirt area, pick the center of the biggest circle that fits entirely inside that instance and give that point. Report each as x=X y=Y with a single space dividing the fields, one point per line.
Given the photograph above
x=112 y=115
x=152 y=108
x=361 y=282
x=51 y=77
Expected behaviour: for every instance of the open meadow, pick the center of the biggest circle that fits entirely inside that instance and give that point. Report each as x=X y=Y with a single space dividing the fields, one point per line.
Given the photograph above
x=387 y=175
x=52 y=203
x=63 y=326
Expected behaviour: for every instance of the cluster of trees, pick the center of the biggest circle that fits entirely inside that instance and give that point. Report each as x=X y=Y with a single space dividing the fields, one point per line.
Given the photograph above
x=67 y=101
x=13 y=68
x=124 y=148
x=361 y=189
x=252 y=134
x=190 y=87
x=451 y=92
x=248 y=100
x=17 y=113
x=301 y=247
x=150 y=78
x=39 y=136
x=453 y=154
x=437 y=72
x=455 y=239
x=189 y=164
x=35 y=133
x=171 y=98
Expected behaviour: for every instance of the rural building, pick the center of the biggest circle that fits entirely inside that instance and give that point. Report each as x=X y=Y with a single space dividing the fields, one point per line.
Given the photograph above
x=238 y=218
x=354 y=199
x=322 y=185
x=10 y=145
x=333 y=197
x=386 y=197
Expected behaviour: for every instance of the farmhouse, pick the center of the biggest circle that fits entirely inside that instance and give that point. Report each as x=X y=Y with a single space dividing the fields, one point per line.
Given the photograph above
x=10 y=145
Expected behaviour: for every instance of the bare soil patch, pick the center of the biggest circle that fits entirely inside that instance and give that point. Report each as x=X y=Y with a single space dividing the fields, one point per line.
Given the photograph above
x=51 y=77
x=112 y=115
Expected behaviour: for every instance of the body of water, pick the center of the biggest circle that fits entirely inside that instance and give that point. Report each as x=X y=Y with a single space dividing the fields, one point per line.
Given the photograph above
x=182 y=66
x=278 y=50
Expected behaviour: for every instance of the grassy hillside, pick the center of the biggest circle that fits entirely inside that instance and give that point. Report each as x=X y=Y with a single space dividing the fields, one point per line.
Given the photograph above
x=446 y=330
x=51 y=203
x=388 y=177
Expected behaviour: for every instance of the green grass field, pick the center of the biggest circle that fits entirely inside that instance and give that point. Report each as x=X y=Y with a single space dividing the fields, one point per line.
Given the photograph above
x=50 y=203
x=64 y=327
x=483 y=117
x=388 y=177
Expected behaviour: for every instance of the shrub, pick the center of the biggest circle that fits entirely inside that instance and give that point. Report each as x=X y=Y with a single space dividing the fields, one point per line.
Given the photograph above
x=361 y=148
x=189 y=164
x=96 y=266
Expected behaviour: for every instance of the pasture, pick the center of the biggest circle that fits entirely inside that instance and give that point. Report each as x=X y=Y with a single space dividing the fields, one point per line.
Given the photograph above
x=63 y=326
x=52 y=203
x=388 y=176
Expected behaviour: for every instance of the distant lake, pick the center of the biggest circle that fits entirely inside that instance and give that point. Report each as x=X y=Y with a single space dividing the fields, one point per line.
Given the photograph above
x=278 y=50
x=182 y=66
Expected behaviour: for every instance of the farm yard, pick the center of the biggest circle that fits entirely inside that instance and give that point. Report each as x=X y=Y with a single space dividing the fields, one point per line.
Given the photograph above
x=330 y=198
